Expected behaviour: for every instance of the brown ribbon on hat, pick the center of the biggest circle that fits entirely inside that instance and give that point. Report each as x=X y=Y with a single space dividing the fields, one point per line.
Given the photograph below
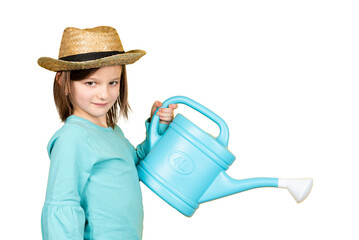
x=89 y=56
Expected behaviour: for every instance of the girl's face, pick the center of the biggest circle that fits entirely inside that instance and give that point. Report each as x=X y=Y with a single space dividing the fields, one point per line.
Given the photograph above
x=94 y=96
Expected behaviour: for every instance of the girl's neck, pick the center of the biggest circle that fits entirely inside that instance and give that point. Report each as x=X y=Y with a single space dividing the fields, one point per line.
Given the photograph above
x=100 y=121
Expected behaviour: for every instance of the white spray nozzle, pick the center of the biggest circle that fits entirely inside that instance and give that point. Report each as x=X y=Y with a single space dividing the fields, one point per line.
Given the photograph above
x=298 y=187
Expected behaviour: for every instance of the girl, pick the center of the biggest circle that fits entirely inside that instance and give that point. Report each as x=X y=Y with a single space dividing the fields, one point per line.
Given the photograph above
x=93 y=189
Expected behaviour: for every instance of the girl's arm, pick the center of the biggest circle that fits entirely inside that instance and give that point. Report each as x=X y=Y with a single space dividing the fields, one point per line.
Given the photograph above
x=71 y=161
x=166 y=117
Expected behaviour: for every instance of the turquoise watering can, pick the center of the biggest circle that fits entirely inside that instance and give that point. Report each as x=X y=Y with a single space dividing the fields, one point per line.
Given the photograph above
x=186 y=166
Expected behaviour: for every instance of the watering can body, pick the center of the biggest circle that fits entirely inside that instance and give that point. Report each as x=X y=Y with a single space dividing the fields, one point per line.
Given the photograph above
x=186 y=166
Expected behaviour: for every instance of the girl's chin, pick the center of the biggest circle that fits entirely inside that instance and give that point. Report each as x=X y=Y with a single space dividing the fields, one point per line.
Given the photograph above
x=94 y=112
x=97 y=114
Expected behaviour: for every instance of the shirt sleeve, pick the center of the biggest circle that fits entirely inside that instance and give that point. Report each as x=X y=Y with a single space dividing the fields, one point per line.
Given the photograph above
x=71 y=160
x=142 y=149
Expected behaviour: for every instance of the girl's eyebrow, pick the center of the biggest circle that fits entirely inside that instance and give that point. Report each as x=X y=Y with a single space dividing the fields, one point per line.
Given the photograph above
x=116 y=78
x=93 y=78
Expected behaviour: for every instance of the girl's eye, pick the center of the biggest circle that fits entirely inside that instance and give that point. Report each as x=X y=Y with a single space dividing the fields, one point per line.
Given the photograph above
x=114 y=83
x=90 y=84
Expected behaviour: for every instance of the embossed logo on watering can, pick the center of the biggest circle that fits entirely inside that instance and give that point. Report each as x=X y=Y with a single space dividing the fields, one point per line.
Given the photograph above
x=181 y=162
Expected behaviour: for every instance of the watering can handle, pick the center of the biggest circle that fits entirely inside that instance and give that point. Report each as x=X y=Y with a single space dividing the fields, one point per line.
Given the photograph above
x=224 y=132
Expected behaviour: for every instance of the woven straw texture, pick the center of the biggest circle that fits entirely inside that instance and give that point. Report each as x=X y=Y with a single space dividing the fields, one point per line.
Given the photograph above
x=99 y=39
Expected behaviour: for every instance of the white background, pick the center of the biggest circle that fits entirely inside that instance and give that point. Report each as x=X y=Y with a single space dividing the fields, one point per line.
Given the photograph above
x=282 y=74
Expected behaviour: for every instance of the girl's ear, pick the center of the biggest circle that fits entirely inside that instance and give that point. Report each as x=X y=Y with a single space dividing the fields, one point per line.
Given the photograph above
x=58 y=77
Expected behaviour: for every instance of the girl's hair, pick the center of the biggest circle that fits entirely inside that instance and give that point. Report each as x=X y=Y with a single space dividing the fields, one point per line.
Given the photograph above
x=64 y=103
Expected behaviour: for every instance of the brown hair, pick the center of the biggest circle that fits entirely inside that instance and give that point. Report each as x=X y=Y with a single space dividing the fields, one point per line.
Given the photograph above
x=64 y=99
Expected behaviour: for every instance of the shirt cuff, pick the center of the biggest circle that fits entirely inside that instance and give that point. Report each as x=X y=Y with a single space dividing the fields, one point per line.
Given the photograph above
x=162 y=127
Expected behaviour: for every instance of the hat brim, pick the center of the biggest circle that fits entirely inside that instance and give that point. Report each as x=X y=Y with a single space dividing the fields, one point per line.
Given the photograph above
x=57 y=65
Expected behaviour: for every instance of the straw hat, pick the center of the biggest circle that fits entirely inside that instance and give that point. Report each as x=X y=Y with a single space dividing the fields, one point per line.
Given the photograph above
x=90 y=48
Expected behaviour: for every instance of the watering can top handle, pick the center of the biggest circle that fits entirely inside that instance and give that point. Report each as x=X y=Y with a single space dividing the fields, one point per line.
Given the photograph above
x=224 y=132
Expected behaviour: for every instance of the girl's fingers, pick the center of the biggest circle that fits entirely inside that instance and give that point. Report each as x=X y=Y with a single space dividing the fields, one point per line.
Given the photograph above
x=166 y=110
x=155 y=105
x=170 y=108
x=173 y=106
x=165 y=116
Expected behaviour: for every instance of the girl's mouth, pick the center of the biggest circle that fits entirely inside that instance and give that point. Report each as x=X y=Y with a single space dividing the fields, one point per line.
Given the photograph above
x=100 y=104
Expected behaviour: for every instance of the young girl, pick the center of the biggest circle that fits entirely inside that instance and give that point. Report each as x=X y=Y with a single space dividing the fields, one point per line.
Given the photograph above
x=93 y=189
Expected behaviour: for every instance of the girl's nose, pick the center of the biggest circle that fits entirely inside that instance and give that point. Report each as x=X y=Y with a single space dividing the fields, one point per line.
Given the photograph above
x=103 y=93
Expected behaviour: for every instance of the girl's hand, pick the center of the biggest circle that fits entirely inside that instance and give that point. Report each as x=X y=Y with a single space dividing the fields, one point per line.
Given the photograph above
x=165 y=114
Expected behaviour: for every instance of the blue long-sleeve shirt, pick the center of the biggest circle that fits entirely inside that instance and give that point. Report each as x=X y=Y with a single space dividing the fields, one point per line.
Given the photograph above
x=93 y=189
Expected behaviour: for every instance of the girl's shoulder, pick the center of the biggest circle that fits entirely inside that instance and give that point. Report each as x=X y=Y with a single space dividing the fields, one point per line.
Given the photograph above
x=118 y=130
x=70 y=133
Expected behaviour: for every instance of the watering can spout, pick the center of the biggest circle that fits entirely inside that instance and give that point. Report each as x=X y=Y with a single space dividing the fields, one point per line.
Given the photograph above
x=224 y=185
x=298 y=187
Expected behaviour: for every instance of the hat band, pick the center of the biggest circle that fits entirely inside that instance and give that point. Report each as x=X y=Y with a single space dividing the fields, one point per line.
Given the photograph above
x=89 y=56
